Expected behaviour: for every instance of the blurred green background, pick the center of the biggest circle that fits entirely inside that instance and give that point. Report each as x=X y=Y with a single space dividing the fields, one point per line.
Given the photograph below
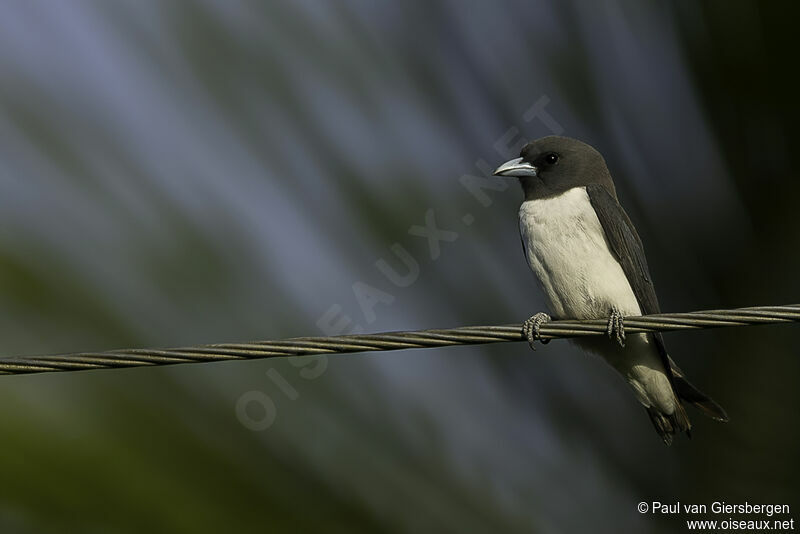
x=184 y=172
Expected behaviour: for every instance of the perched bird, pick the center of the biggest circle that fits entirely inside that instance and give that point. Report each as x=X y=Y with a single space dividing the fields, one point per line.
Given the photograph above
x=590 y=264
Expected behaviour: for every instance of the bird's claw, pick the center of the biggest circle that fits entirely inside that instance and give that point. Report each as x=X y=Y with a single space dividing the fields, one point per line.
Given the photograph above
x=531 y=326
x=616 y=326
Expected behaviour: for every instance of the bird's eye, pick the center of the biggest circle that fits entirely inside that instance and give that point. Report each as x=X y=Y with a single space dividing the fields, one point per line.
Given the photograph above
x=551 y=159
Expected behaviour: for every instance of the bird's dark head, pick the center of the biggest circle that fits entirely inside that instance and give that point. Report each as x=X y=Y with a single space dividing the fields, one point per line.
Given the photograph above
x=551 y=165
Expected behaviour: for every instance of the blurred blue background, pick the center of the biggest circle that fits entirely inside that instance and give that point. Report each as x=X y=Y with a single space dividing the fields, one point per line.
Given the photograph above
x=183 y=172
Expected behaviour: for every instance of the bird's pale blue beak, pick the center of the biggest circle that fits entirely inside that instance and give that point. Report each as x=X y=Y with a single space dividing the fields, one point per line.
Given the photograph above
x=517 y=168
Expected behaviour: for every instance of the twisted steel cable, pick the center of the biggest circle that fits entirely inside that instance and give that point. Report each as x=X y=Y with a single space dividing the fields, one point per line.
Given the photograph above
x=467 y=335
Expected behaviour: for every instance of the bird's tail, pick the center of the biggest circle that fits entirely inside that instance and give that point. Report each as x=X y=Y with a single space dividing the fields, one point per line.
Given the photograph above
x=669 y=425
x=686 y=391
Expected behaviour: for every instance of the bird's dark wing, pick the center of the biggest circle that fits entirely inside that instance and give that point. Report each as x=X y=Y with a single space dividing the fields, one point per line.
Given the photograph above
x=626 y=245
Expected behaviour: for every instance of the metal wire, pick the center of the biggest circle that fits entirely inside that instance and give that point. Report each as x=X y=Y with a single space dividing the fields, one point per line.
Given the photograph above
x=468 y=335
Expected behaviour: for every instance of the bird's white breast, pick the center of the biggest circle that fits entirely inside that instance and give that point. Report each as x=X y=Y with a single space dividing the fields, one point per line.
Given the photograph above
x=566 y=248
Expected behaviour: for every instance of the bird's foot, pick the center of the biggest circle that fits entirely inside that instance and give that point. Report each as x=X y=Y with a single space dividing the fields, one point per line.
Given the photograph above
x=616 y=326
x=530 y=328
